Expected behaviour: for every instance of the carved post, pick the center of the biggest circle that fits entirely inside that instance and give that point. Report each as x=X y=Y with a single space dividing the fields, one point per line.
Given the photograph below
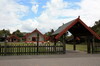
x=88 y=45
x=55 y=45
x=74 y=45
x=5 y=52
x=93 y=42
x=37 y=43
x=64 y=44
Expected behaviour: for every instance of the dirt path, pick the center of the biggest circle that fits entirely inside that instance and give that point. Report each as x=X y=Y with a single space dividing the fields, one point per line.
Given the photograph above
x=71 y=58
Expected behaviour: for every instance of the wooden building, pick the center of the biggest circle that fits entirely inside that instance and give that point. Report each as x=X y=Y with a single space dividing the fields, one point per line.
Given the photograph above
x=33 y=36
x=78 y=29
x=13 y=38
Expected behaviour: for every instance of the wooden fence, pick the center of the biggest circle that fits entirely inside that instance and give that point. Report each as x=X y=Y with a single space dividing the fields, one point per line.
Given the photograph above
x=96 y=48
x=30 y=49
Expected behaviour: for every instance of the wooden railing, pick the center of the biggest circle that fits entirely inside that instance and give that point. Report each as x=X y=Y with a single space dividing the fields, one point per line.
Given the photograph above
x=97 y=47
x=30 y=49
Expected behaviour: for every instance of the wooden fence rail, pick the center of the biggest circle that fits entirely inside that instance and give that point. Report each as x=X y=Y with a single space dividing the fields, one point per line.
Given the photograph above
x=30 y=49
x=97 y=47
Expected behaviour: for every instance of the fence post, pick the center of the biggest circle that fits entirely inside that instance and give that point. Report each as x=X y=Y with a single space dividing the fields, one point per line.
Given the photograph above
x=0 y=49
x=37 y=43
x=64 y=44
x=55 y=45
x=93 y=44
x=74 y=46
x=88 y=45
x=5 y=46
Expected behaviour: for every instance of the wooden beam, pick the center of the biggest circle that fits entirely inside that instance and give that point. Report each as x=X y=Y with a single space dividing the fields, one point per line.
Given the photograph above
x=37 y=43
x=93 y=42
x=64 y=44
x=55 y=41
x=74 y=45
x=88 y=45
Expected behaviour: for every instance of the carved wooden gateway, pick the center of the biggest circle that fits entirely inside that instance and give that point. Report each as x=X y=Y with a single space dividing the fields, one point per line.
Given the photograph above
x=78 y=29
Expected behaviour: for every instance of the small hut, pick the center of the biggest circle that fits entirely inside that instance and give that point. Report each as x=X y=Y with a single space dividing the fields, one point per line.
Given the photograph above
x=33 y=36
x=13 y=38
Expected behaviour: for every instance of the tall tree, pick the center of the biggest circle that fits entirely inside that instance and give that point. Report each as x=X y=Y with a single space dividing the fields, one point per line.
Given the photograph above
x=4 y=32
x=49 y=33
x=18 y=33
x=96 y=27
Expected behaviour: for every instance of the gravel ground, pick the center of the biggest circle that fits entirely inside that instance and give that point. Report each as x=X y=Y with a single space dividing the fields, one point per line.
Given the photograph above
x=71 y=58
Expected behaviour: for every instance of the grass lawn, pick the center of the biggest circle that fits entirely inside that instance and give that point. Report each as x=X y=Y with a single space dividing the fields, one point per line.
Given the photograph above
x=80 y=47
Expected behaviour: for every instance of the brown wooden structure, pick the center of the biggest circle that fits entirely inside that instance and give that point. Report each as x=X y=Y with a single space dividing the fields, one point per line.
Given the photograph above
x=31 y=48
x=78 y=28
x=32 y=36
x=13 y=38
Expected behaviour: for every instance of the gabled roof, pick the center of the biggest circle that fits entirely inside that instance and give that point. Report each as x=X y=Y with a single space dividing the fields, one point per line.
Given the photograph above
x=69 y=27
x=13 y=36
x=33 y=32
x=62 y=27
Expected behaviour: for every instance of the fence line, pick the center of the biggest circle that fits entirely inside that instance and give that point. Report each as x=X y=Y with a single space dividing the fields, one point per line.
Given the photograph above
x=97 y=47
x=30 y=49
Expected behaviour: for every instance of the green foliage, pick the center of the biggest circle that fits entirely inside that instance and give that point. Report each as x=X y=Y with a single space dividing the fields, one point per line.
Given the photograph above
x=4 y=32
x=49 y=33
x=96 y=27
x=18 y=33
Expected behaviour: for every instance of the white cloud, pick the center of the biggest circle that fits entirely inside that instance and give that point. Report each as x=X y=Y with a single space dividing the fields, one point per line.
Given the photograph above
x=89 y=12
x=29 y=25
x=35 y=8
x=49 y=17
x=11 y=11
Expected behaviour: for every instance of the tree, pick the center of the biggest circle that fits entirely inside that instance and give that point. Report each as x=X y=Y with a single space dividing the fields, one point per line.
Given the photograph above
x=4 y=32
x=96 y=27
x=49 y=33
x=18 y=33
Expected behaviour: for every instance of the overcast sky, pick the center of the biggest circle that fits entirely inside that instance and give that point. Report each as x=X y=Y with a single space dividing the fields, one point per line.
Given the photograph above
x=26 y=15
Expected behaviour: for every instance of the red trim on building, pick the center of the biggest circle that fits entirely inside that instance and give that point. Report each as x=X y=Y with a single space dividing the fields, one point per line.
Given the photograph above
x=63 y=31
x=88 y=28
x=33 y=32
x=12 y=37
x=73 y=23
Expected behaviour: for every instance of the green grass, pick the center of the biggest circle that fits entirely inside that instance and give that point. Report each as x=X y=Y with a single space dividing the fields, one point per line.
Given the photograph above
x=69 y=47
x=80 y=47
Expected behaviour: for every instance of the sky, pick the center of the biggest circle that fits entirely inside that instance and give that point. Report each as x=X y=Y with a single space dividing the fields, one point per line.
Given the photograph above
x=27 y=15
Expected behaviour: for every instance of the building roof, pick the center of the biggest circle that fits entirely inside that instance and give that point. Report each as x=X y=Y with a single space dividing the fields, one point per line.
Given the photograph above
x=33 y=32
x=77 y=27
x=13 y=36
x=62 y=27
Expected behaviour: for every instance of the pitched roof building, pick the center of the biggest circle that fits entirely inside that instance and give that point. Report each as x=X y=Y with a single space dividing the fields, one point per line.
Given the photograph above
x=77 y=27
x=13 y=38
x=33 y=36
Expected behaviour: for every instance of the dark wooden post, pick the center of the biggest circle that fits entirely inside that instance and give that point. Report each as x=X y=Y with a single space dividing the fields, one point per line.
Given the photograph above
x=0 y=49
x=5 y=52
x=64 y=44
x=93 y=44
x=37 y=43
x=74 y=45
x=88 y=45
x=55 y=41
